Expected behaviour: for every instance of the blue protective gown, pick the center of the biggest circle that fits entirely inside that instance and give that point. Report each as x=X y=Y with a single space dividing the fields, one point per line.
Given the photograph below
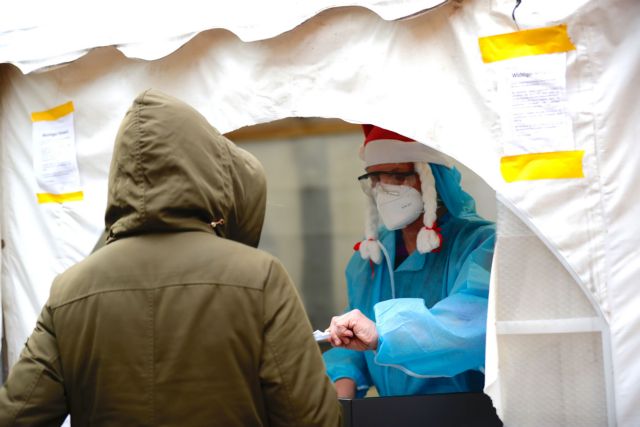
x=432 y=335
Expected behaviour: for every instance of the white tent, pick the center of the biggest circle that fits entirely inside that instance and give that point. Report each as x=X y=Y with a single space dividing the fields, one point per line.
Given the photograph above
x=561 y=343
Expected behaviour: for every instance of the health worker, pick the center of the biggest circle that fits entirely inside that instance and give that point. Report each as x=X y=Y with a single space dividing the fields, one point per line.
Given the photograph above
x=418 y=284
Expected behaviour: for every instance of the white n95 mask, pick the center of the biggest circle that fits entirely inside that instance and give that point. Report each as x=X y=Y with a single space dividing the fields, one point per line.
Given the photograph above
x=398 y=205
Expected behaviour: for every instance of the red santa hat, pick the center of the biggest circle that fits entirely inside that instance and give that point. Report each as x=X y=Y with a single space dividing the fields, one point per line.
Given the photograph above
x=384 y=146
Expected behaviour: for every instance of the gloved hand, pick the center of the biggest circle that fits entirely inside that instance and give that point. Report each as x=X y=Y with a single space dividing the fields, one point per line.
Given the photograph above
x=353 y=330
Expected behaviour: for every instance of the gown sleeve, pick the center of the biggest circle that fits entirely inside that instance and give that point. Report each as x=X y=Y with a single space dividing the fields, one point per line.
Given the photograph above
x=449 y=338
x=344 y=363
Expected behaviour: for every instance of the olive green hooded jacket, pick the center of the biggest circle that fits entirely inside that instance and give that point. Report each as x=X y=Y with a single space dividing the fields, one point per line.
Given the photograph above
x=174 y=322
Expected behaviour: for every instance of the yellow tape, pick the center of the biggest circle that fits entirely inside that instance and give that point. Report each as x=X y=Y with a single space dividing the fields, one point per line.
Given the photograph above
x=538 y=41
x=60 y=198
x=53 y=114
x=555 y=165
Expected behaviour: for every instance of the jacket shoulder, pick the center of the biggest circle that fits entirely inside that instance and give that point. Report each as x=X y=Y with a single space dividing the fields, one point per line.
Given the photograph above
x=169 y=259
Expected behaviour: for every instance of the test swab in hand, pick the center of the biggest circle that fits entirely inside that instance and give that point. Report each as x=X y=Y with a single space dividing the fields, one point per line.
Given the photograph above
x=320 y=336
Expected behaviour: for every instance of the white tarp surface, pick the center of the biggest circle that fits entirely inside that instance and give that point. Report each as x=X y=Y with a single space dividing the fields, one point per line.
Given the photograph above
x=35 y=34
x=422 y=77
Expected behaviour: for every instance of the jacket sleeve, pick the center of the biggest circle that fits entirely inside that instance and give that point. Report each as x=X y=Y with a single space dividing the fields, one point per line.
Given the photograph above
x=295 y=386
x=447 y=339
x=33 y=394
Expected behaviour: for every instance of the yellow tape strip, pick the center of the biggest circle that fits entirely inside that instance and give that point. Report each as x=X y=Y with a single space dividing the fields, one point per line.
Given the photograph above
x=60 y=198
x=53 y=114
x=538 y=41
x=556 y=165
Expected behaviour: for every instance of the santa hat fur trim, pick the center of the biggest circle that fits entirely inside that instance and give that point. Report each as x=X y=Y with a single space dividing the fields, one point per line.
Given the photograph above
x=385 y=146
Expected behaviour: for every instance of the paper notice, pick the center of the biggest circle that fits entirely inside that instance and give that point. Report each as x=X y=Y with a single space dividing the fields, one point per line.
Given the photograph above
x=534 y=111
x=54 y=155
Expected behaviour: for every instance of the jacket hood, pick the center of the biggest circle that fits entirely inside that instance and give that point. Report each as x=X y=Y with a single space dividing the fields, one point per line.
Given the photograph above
x=172 y=171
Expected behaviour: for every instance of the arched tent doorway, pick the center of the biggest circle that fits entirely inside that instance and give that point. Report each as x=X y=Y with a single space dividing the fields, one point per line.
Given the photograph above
x=316 y=208
x=423 y=77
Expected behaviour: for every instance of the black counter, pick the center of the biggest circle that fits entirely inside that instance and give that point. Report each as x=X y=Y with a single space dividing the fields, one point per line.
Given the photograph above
x=438 y=410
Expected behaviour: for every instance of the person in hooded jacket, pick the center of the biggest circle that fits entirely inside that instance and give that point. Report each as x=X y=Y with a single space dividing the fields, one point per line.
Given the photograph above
x=418 y=285
x=178 y=320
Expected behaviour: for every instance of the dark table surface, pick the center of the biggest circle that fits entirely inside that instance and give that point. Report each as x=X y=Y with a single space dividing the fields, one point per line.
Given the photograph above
x=441 y=410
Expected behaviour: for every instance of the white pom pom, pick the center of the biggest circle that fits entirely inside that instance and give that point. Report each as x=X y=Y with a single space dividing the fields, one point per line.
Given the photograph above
x=369 y=249
x=427 y=241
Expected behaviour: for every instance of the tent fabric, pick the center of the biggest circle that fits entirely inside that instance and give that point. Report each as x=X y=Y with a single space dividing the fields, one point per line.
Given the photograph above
x=37 y=36
x=421 y=77
x=568 y=380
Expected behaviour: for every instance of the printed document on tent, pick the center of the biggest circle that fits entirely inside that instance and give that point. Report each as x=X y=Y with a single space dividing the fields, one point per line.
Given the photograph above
x=54 y=155
x=534 y=105
x=537 y=132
